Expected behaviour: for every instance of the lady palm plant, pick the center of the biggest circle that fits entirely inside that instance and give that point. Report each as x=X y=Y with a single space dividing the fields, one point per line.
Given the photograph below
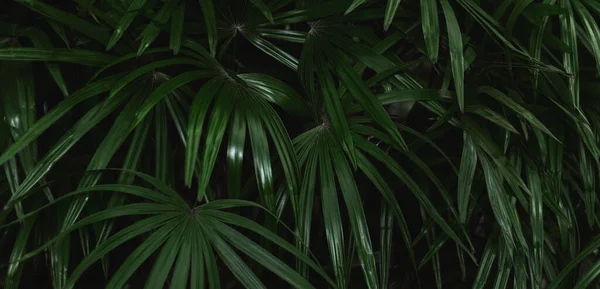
x=336 y=144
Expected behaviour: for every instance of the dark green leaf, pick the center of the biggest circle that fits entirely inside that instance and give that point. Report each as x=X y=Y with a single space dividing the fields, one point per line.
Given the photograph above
x=126 y=19
x=211 y=24
x=456 y=52
x=431 y=28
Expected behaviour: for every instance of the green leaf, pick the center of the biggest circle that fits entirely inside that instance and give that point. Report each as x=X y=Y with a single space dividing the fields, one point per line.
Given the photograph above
x=306 y=73
x=489 y=24
x=166 y=257
x=132 y=161
x=211 y=24
x=249 y=224
x=593 y=245
x=404 y=95
x=87 y=122
x=504 y=267
x=109 y=146
x=261 y=157
x=591 y=27
x=513 y=105
x=305 y=207
x=214 y=135
x=177 y=22
x=492 y=116
x=534 y=183
x=283 y=145
x=181 y=271
x=371 y=172
x=543 y=9
x=15 y=268
x=88 y=29
x=390 y=11
x=197 y=255
x=335 y=111
x=466 y=174
x=589 y=276
x=148 y=36
x=149 y=68
x=364 y=96
x=276 y=91
x=259 y=254
x=264 y=8
x=514 y=15
x=456 y=52
x=393 y=166
x=165 y=224
x=486 y=143
x=331 y=217
x=161 y=142
x=354 y=5
x=431 y=28
x=139 y=208
x=232 y=260
x=198 y=112
x=357 y=217
x=41 y=40
x=19 y=108
x=60 y=30
x=286 y=35
x=166 y=88
x=500 y=202
x=235 y=153
x=393 y=71
x=141 y=253
x=386 y=223
x=485 y=268
x=77 y=56
x=209 y=257
x=272 y=50
x=571 y=59
x=134 y=9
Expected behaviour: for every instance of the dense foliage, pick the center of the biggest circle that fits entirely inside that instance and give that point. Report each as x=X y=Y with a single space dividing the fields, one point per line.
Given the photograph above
x=311 y=144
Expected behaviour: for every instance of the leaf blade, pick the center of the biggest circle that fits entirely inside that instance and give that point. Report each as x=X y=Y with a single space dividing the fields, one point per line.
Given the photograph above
x=456 y=52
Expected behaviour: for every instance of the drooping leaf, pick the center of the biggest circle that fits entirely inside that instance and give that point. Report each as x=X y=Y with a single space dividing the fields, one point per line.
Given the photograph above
x=214 y=135
x=198 y=113
x=466 y=174
x=335 y=111
x=570 y=59
x=235 y=153
x=358 y=221
x=177 y=23
x=211 y=24
x=148 y=36
x=262 y=159
x=431 y=28
x=331 y=217
x=456 y=52
x=390 y=12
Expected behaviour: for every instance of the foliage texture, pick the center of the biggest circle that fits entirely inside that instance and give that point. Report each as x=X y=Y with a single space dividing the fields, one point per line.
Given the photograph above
x=305 y=144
